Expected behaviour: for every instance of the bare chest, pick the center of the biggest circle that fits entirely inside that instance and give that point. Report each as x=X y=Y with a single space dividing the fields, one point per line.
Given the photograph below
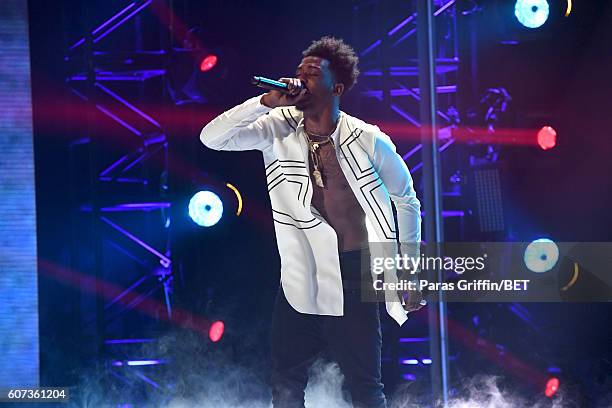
x=336 y=201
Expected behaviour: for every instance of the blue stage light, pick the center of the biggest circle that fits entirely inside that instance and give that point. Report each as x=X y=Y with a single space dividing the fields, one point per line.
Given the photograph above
x=205 y=208
x=541 y=255
x=531 y=13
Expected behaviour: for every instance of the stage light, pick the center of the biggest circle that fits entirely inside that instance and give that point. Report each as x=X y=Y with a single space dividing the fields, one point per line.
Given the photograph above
x=547 y=137
x=208 y=62
x=531 y=13
x=135 y=363
x=552 y=386
x=568 y=10
x=216 y=331
x=541 y=255
x=238 y=197
x=205 y=208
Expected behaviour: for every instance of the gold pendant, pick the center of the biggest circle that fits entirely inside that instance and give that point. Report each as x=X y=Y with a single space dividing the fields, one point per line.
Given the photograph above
x=318 y=179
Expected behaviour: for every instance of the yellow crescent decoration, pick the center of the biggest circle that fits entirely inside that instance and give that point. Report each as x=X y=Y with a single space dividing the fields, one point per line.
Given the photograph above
x=574 y=277
x=568 y=10
x=238 y=196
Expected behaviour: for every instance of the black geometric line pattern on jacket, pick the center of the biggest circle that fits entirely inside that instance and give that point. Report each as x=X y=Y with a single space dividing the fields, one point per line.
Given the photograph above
x=360 y=174
x=276 y=179
x=297 y=223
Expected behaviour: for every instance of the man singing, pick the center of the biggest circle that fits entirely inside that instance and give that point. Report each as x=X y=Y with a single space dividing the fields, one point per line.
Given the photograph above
x=331 y=179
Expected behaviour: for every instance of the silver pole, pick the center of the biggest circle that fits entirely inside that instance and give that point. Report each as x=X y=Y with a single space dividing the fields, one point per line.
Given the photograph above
x=434 y=228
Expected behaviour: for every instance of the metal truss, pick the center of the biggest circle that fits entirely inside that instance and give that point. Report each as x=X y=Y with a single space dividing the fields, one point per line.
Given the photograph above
x=391 y=76
x=396 y=83
x=100 y=83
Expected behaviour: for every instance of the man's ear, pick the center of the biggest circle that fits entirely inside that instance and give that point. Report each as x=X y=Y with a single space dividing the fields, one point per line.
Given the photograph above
x=338 y=89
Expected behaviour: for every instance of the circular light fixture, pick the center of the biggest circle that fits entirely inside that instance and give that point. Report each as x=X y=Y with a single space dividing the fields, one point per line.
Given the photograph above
x=205 y=208
x=216 y=331
x=531 y=13
x=547 y=137
x=208 y=62
x=541 y=255
x=552 y=386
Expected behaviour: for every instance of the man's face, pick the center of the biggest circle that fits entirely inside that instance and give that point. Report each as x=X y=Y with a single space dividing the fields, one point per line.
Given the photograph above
x=315 y=72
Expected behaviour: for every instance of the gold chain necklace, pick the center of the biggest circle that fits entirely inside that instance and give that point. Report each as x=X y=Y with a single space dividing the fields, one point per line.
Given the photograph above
x=314 y=156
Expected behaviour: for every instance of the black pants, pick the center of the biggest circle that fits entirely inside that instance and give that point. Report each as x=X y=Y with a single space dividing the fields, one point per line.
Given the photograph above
x=353 y=341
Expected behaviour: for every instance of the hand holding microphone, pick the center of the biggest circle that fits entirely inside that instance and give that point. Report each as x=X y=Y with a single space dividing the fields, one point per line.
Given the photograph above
x=284 y=92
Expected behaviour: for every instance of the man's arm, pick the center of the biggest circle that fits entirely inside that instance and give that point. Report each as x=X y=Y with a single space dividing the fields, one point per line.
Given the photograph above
x=397 y=179
x=244 y=127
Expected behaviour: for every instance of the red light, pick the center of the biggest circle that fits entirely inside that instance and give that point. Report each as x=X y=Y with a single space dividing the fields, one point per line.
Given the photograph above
x=208 y=63
x=547 y=137
x=552 y=386
x=216 y=331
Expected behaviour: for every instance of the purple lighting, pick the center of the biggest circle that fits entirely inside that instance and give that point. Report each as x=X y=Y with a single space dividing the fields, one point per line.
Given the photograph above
x=400 y=25
x=405 y=115
x=414 y=92
x=147 y=380
x=125 y=180
x=137 y=363
x=370 y=48
x=140 y=75
x=156 y=139
x=444 y=7
x=450 y=213
x=441 y=149
x=446 y=145
x=413 y=339
x=76 y=44
x=112 y=166
x=142 y=156
x=133 y=13
x=403 y=37
x=125 y=292
x=128 y=341
x=129 y=105
x=163 y=260
x=113 y=18
x=373 y=72
x=107 y=22
x=118 y=120
x=413 y=151
x=136 y=207
x=133 y=363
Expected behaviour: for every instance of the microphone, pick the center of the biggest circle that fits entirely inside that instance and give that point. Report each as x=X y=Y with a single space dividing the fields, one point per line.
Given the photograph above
x=267 y=83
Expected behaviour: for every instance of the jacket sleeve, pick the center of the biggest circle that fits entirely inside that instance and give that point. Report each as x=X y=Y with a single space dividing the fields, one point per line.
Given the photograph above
x=397 y=179
x=244 y=127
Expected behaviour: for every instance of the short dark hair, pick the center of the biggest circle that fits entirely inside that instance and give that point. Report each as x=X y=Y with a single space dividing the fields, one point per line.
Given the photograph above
x=341 y=56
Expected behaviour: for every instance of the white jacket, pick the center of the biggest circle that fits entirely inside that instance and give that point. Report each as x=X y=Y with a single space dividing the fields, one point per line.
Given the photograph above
x=307 y=244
